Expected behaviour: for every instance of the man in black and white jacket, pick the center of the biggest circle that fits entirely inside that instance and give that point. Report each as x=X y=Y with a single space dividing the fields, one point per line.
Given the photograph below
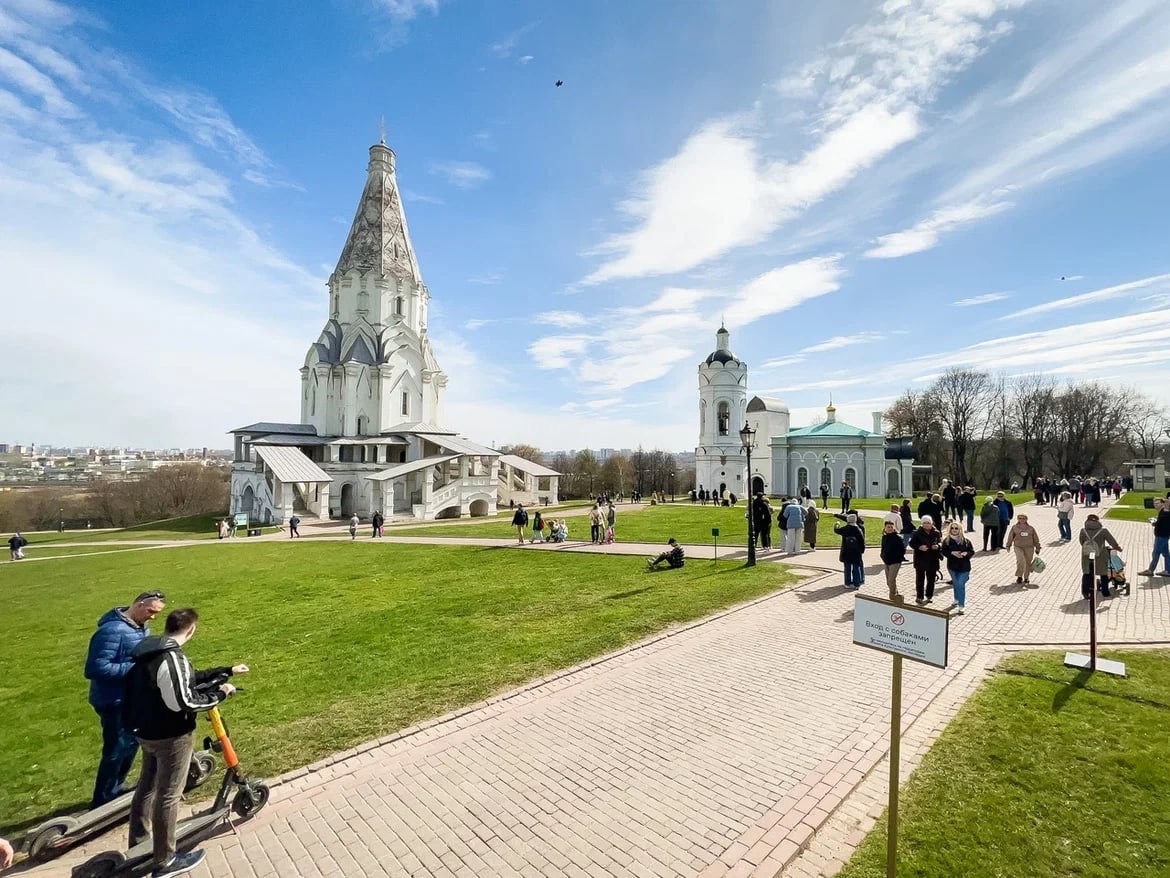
x=162 y=695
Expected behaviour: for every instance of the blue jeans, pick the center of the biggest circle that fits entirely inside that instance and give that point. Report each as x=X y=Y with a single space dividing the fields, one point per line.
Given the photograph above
x=959 y=578
x=1161 y=550
x=854 y=574
x=1065 y=527
x=119 y=747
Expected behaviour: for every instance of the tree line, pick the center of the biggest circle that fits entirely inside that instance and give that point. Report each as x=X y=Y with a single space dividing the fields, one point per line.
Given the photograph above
x=584 y=475
x=990 y=430
x=167 y=492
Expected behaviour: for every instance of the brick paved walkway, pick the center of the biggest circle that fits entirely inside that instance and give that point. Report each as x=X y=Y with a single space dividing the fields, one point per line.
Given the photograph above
x=747 y=744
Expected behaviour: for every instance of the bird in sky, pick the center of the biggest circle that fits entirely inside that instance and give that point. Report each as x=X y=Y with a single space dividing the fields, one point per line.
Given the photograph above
x=560 y=82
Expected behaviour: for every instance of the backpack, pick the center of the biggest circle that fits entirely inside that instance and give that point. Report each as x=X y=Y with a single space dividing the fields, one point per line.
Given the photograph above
x=851 y=540
x=523 y=518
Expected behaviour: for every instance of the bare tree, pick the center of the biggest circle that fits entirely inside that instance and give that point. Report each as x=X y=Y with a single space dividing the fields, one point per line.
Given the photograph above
x=961 y=400
x=528 y=452
x=1149 y=427
x=1033 y=419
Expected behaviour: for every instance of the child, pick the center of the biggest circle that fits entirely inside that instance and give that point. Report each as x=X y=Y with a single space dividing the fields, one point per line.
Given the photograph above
x=537 y=527
x=1117 y=572
x=609 y=538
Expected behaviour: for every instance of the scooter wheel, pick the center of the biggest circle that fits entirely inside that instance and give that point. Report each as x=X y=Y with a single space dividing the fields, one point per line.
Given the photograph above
x=101 y=866
x=202 y=766
x=42 y=846
x=250 y=799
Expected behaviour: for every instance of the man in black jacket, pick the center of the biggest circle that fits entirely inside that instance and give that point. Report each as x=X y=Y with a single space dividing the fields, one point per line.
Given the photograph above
x=163 y=694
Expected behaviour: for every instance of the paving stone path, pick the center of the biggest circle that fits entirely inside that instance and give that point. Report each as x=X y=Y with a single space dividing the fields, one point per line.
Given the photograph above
x=750 y=743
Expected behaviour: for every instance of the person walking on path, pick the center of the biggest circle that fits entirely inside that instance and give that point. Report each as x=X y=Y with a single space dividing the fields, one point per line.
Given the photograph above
x=846 y=496
x=108 y=661
x=824 y=495
x=893 y=555
x=353 y=526
x=1064 y=515
x=926 y=545
x=966 y=504
x=1023 y=539
x=989 y=518
x=595 y=521
x=293 y=524
x=949 y=497
x=793 y=527
x=611 y=519
x=957 y=549
x=162 y=697
x=907 y=522
x=16 y=544
x=376 y=522
x=811 y=516
x=1096 y=541
x=1161 y=540
x=520 y=521
x=852 y=551
x=1006 y=513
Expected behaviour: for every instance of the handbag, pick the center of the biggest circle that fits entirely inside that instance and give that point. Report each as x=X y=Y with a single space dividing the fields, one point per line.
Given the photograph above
x=1038 y=564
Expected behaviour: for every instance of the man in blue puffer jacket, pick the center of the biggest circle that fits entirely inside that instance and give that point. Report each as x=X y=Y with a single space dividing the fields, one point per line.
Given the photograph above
x=107 y=663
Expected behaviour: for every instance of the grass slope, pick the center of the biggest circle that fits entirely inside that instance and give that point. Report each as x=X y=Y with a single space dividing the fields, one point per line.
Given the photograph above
x=1044 y=772
x=192 y=527
x=347 y=641
x=1131 y=506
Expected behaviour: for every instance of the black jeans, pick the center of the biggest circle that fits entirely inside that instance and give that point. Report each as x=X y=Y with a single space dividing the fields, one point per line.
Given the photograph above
x=1087 y=585
x=924 y=578
x=595 y=532
x=990 y=535
x=119 y=748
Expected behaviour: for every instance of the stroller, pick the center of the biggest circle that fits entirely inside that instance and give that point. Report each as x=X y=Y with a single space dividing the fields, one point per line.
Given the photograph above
x=609 y=537
x=1117 y=578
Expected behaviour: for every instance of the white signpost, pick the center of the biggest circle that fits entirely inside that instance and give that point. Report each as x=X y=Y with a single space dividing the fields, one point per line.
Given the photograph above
x=918 y=634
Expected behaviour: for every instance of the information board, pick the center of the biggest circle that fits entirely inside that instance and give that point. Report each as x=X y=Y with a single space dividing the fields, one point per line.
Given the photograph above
x=242 y=519
x=915 y=633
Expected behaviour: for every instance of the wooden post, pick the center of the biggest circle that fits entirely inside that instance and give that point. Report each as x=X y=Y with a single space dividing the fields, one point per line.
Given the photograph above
x=895 y=763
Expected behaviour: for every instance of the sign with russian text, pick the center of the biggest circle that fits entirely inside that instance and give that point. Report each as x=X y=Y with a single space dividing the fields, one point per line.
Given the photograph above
x=915 y=633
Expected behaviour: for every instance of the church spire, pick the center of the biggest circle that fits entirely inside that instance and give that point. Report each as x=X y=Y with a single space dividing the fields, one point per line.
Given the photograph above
x=378 y=240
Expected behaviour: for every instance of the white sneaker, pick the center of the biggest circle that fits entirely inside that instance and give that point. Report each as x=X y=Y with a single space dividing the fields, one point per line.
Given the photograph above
x=960 y=610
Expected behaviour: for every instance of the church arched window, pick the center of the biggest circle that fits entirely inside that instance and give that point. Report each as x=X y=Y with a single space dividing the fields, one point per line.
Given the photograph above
x=724 y=419
x=362 y=423
x=827 y=478
x=336 y=304
x=801 y=478
x=398 y=306
x=851 y=477
x=363 y=302
x=313 y=403
x=702 y=418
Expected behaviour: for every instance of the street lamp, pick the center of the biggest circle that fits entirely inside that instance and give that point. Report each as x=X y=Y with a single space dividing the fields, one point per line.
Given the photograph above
x=672 y=486
x=747 y=438
x=61 y=520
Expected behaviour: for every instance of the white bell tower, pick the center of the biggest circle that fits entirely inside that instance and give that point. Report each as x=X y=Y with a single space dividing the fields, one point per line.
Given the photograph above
x=719 y=459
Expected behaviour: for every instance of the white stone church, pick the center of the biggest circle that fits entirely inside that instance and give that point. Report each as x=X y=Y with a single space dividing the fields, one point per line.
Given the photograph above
x=371 y=437
x=785 y=458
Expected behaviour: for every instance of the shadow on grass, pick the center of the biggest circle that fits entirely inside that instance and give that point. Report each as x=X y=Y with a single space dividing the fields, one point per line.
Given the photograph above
x=1081 y=683
x=22 y=828
x=627 y=594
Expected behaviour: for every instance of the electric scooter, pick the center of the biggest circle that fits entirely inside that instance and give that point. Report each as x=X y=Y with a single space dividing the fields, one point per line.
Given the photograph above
x=57 y=835
x=250 y=797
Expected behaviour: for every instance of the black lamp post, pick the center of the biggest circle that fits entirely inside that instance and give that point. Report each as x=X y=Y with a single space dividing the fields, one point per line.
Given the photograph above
x=672 y=486
x=61 y=520
x=747 y=438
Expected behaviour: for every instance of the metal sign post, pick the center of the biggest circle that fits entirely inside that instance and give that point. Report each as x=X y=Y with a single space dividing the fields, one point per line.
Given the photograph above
x=915 y=633
x=715 y=535
x=1090 y=662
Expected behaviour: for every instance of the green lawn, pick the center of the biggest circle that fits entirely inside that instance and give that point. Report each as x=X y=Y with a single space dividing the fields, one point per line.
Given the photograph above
x=687 y=523
x=50 y=550
x=347 y=641
x=193 y=527
x=1131 y=506
x=1044 y=772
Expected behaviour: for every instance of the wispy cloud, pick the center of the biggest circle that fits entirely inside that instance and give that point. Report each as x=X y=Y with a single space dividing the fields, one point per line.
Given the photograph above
x=524 y=59
x=476 y=323
x=984 y=299
x=721 y=191
x=406 y=10
x=842 y=341
x=782 y=289
x=780 y=362
x=563 y=319
x=503 y=47
x=1113 y=292
x=421 y=197
x=488 y=280
x=926 y=234
x=462 y=175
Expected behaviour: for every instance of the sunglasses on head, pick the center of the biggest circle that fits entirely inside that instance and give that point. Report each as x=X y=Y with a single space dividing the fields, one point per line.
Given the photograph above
x=150 y=596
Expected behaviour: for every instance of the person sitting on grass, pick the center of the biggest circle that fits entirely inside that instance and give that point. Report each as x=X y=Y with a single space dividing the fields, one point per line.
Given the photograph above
x=674 y=556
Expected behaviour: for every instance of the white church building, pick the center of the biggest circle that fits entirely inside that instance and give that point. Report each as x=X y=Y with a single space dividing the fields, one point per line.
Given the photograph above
x=371 y=436
x=786 y=458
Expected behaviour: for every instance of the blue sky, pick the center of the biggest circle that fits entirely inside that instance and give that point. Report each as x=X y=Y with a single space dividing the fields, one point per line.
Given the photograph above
x=867 y=192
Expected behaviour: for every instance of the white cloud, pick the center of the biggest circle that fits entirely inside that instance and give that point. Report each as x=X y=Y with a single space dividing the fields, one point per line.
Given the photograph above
x=779 y=362
x=504 y=47
x=411 y=195
x=563 y=319
x=489 y=279
x=558 y=351
x=841 y=341
x=784 y=288
x=524 y=59
x=33 y=82
x=984 y=299
x=463 y=175
x=407 y=10
x=476 y=323
x=720 y=192
x=1158 y=280
x=926 y=234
